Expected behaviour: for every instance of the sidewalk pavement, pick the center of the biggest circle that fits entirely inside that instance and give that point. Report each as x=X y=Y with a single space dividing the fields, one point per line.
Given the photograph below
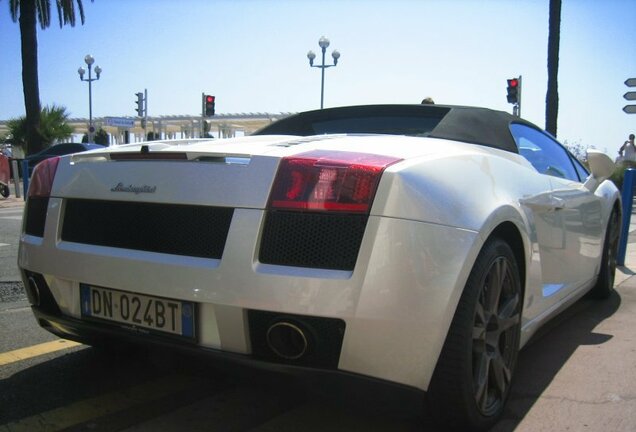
x=11 y=201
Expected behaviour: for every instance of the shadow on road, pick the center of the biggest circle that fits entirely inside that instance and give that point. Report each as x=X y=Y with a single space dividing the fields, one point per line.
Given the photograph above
x=546 y=353
x=317 y=405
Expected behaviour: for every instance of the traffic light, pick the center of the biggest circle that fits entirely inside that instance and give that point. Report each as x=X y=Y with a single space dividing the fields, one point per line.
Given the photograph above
x=208 y=101
x=140 y=104
x=513 y=90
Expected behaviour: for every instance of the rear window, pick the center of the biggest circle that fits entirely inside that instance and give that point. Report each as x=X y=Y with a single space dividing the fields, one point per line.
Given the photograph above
x=375 y=119
x=412 y=126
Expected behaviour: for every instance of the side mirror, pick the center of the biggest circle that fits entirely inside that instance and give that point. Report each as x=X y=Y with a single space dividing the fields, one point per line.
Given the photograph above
x=601 y=165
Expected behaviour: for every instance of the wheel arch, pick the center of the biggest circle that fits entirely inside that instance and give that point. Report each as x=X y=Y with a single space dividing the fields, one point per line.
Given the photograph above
x=509 y=232
x=447 y=386
x=510 y=226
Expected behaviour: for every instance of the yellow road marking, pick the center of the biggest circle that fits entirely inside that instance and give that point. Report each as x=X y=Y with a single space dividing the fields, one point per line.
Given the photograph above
x=35 y=350
x=85 y=410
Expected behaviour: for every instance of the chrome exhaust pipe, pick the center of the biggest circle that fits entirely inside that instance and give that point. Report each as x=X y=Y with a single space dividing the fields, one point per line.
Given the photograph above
x=287 y=340
x=33 y=291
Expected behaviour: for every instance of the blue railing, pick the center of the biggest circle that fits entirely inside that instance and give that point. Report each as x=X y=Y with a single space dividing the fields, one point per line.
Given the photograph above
x=628 y=196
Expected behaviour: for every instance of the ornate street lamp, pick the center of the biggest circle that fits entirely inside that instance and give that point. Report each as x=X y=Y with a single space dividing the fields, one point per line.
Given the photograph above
x=323 y=43
x=89 y=60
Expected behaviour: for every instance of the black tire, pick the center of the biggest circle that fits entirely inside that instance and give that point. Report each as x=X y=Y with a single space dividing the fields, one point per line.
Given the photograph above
x=4 y=191
x=605 y=283
x=472 y=379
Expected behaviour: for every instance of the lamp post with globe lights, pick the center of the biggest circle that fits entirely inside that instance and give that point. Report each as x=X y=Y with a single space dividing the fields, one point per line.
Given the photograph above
x=323 y=43
x=89 y=60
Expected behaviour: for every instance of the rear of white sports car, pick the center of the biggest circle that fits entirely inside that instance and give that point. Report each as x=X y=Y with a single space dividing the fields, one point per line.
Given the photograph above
x=402 y=259
x=271 y=248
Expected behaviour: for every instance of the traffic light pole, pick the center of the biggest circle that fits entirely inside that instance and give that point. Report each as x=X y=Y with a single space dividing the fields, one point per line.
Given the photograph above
x=145 y=125
x=518 y=106
x=202 y=132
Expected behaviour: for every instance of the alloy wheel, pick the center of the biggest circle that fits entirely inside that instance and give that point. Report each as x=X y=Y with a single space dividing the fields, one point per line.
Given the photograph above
x=495 y=336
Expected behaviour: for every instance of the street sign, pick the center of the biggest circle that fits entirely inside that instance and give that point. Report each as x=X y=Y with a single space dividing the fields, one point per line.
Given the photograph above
x=119 y=122
x=630 y=96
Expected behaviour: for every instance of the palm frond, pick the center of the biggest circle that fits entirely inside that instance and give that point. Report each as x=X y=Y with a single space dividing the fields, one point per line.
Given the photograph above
x=58 y=4
x=80 y=7
x=14 y=7
x=65 y=11
x=54 y=124
x=43 y=10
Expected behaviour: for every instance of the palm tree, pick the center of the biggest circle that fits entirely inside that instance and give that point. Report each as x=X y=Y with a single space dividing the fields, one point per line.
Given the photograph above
x=552 y=96
x=29 y=13
x=53 y=127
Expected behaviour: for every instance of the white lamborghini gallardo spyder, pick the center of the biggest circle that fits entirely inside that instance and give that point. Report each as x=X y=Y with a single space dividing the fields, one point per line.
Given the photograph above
x=417 y=245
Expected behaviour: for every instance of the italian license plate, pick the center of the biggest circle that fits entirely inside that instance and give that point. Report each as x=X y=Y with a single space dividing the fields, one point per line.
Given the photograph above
x=137 y=310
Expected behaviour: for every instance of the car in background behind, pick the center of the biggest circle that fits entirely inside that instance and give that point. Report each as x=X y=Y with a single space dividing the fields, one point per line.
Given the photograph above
x=59 y=150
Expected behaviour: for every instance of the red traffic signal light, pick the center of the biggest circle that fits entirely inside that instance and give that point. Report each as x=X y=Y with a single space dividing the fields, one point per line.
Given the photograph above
x=513 y=91
x=209 y=105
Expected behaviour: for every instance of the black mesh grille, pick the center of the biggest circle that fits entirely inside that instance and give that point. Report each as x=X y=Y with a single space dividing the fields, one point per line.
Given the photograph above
x=36 y=216
x=173 y=229
x=325 y=337
x=315 y=240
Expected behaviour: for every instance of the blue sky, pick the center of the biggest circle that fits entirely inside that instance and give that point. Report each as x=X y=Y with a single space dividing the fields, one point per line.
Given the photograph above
x=251 y=54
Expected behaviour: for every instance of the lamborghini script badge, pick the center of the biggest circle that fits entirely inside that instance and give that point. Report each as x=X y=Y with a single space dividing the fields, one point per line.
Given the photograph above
x=134 y=189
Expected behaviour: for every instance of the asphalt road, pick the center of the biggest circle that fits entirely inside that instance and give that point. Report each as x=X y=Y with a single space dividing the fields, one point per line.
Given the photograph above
x=10 y=223
x=579 y=374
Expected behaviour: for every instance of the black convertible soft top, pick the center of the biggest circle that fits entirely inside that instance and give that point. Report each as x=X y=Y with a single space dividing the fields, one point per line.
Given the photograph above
x=460 y=123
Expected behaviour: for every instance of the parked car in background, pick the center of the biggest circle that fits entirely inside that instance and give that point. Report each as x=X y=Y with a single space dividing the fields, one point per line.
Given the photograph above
x=59 y=150
x=4 y=175
x=418 y=245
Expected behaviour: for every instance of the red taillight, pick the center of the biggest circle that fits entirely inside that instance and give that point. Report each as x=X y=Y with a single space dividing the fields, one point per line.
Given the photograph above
x=42 y=178
x=328 y=181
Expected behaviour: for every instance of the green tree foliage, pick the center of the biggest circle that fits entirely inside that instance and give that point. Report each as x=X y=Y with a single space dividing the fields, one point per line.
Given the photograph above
x=206 y=130
x=53 y=126
x=577 y=149
x=29 y=13
x=101 y=137
x=619 y=173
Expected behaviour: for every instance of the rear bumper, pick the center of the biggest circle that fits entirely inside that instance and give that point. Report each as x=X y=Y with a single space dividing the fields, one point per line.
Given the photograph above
x=396 y=304
x=334 y=381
